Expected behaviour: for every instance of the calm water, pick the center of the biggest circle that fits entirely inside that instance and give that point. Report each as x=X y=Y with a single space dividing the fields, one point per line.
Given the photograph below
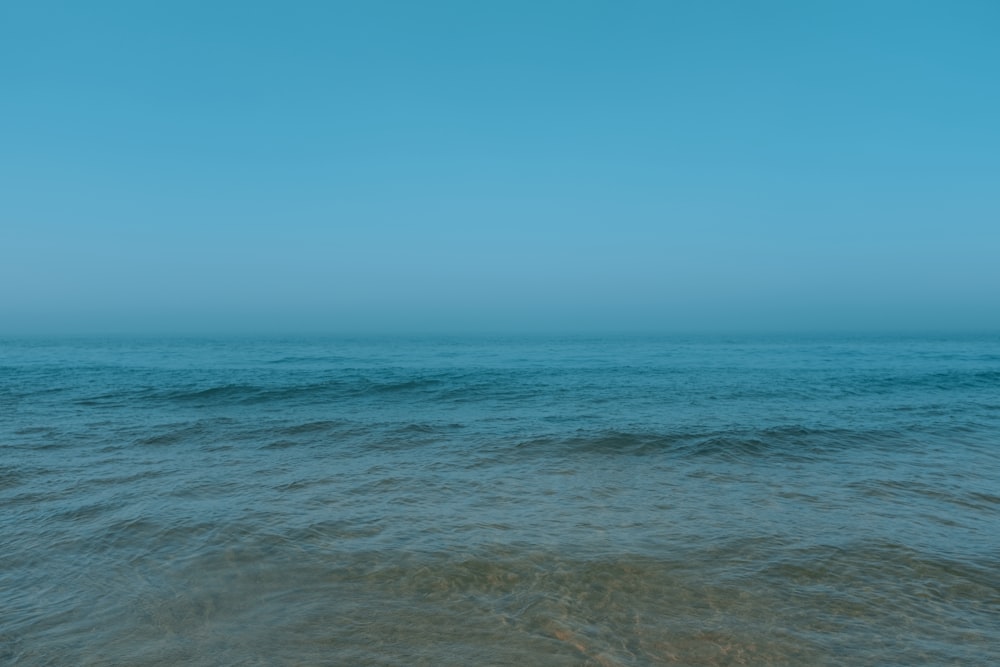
x=543 y=501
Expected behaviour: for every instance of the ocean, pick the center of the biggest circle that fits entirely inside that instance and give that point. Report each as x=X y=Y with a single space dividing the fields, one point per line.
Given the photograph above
x=446 y=501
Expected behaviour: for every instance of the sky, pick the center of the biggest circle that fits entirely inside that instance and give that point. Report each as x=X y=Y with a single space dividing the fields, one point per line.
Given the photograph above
x=543 y=166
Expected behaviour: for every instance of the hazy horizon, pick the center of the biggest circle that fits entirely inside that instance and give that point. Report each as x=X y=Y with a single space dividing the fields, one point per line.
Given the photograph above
x=447 y=167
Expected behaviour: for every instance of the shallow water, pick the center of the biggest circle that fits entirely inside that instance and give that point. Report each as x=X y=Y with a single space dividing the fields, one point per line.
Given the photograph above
x=529 y=501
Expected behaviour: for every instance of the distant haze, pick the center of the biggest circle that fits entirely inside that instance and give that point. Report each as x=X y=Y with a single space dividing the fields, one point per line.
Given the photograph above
x=186 y=167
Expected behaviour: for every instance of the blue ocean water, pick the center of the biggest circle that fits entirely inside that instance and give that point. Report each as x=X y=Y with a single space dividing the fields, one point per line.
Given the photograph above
x=500 y=501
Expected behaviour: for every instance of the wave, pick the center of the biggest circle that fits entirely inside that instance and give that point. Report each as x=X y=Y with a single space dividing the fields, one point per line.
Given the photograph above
x=172 y=435
x=321 y=426
x=307 y=359
x=250 y=394
x=969 y=501
x=789 y=442
x=936 y=381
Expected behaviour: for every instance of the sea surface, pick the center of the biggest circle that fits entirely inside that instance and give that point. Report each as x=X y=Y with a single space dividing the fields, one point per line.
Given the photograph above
x=500 y=501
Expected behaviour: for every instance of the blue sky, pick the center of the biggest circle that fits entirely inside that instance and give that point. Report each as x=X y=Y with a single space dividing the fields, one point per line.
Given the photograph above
x=499 y=166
